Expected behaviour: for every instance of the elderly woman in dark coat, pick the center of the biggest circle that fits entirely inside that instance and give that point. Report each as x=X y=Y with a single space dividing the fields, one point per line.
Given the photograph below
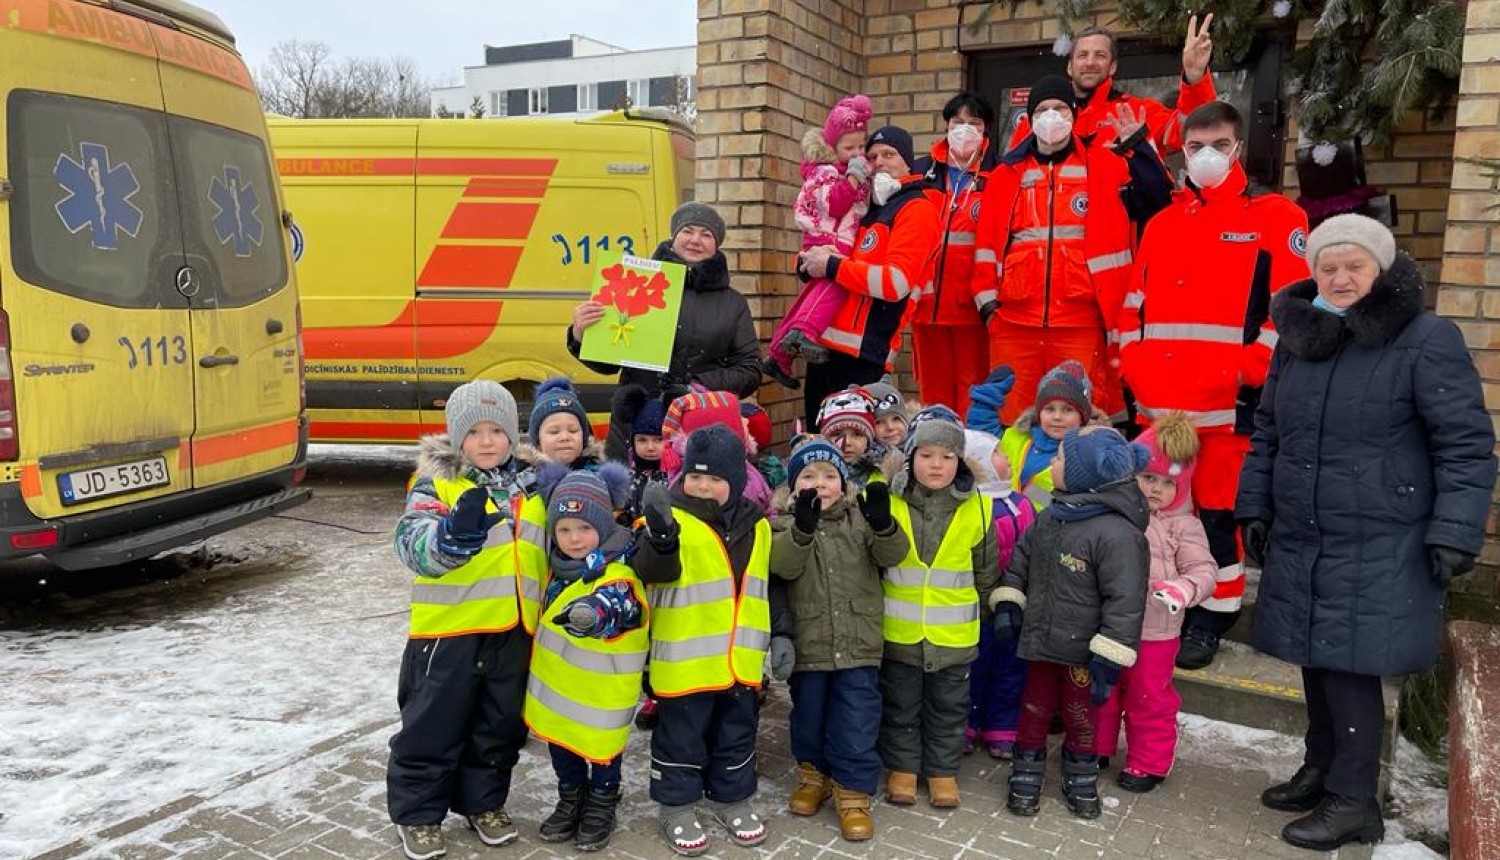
x=715 y=345
x=1365 y=492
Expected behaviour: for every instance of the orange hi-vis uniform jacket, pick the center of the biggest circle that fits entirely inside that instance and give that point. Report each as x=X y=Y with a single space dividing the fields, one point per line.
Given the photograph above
x=1054 y=247
x=1196 y=325
x=1162 y=123
x=893 y=254
x=945 y=300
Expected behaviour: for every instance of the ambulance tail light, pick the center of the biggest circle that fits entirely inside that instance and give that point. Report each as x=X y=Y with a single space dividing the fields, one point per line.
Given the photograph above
x=10 y=440
x=301 y=366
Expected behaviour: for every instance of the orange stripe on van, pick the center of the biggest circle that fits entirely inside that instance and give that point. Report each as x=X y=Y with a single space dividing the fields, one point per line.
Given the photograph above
x=31 y=481
x=243 y=443
x=485 y=186
x=483 y=266
x=368 y=430
x=490 y=221
x=397 y=338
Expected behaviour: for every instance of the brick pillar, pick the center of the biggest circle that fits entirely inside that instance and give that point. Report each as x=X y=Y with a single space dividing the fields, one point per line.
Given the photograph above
x=767 y=71
x=1469 y=292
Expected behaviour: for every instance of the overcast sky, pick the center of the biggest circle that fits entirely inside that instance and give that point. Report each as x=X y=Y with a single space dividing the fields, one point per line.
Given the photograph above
x=445 y=35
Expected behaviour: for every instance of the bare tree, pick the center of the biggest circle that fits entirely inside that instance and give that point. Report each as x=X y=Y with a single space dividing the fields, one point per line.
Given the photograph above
x=476 y=108
x=302 y=79
x=681 y=99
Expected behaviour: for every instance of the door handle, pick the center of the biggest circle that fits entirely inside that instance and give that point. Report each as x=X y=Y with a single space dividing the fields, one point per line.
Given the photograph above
x=218 y=360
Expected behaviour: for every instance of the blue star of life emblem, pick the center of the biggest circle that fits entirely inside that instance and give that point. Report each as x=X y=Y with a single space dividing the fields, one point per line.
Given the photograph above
x=236 y=219
x=99 y=195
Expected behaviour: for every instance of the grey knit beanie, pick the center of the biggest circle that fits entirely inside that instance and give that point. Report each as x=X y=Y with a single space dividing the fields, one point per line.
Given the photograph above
x=693 y=213
x=480 y=400
x=1352 y=229
x=887 y=398
x=939 y=432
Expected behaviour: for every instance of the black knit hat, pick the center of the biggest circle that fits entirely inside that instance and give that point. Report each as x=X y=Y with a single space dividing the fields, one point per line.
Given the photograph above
x=1049 y=87
x=716 y=450
x=896 y=138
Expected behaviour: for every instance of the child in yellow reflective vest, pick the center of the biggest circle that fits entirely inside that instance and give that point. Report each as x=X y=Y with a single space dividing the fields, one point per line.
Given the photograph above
x=591 y=643
x=463 y=677
x=705 y=554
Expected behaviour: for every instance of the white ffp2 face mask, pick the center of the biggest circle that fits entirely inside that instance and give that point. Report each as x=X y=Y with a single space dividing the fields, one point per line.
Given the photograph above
x=883 y=185
x=963 y=140
x=1052 y=127
x=1209 y=167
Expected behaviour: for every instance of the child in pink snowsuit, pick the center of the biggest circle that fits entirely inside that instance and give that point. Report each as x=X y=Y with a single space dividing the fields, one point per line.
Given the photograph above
x=1182 y=575
x=833 y=199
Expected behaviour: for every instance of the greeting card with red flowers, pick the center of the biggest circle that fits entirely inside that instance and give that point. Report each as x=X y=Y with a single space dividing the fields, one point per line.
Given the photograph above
x=642 y=299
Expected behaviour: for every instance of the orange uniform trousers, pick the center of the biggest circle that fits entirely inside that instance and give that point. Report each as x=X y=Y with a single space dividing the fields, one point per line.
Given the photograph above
x=1032 y=351
x=947 y=360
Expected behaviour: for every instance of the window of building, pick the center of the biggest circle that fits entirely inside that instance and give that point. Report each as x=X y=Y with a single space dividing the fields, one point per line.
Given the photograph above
x=639 y=92
x=588 y=97
x=538 y=101
x=498 y=105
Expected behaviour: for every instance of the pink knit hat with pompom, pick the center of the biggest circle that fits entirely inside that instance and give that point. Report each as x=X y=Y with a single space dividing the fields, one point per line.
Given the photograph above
x=850 y=114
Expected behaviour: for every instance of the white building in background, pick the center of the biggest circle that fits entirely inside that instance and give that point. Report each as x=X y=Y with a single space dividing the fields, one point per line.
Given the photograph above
x=571 y=77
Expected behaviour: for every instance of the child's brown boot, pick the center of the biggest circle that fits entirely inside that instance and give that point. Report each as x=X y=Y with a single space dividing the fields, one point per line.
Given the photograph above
x=901 y=788
x=854 y=814
x=812 y=789
x=942 y=791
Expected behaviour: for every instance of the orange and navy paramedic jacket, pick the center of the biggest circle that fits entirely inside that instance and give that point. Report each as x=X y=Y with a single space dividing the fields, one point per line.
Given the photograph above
x=1196 y=325
x=1055 y=245
x=893 y=254
x=945 y=299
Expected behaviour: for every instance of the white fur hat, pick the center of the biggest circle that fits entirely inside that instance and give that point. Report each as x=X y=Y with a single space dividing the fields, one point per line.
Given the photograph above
x=1353 y=229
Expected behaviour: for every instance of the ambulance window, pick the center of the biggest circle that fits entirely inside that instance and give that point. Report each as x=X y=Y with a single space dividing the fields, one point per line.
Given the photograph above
x=230 y=214
x=95 y=212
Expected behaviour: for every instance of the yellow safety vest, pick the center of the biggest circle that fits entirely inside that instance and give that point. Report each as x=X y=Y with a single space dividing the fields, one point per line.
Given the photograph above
x=703 y=636
x=531 y=555
x=481 y=596
x=581 y=692
x=1015 y=445
x=936 y=602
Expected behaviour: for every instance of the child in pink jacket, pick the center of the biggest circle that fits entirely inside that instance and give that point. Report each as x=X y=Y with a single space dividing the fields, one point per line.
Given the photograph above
x=833 y=199
x=1182 y=575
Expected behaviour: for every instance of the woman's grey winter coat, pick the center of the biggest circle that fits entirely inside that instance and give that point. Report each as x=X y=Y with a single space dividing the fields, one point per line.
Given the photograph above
x=1371 y=444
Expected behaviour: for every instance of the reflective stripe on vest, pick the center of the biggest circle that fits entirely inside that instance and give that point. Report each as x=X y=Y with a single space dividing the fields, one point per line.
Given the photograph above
x=937 y=602
x=581 y=692
x=704 y=636
x=479 y=596
x=531 y=555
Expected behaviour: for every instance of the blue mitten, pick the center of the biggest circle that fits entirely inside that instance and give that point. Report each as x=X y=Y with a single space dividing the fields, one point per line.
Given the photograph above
x=1104 y=674
x=1007 y=621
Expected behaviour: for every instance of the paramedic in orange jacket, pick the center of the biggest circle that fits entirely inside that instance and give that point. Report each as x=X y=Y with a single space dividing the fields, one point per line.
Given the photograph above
x=893 y=254
x=950 y=347
x=1196 y=334
x=1092 y=65
x=1053 y=255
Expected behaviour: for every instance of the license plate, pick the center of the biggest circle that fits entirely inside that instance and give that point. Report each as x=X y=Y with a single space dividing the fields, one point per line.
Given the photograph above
x=86 y=485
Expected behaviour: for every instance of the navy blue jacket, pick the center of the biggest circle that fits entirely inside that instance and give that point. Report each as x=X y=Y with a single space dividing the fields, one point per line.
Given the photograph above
x=1371 y=444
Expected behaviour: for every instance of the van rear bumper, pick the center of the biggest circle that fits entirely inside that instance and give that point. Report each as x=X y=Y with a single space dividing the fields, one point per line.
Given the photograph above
x=141 y=530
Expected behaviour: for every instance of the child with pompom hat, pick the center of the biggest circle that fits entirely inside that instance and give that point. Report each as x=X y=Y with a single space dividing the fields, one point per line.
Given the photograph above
x=835 y=195
x=1182 y=576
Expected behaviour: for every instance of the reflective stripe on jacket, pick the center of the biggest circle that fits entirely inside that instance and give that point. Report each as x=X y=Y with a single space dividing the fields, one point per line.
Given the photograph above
x=1196 y=323
x=481 y=596
x=938 y=601
x=704 y=636
x=582 y=691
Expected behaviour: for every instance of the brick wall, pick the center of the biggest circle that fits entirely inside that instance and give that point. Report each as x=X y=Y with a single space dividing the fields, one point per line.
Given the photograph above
x=1469 y=292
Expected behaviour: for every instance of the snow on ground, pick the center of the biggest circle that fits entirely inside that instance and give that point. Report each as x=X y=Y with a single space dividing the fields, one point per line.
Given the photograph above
x=148 y=695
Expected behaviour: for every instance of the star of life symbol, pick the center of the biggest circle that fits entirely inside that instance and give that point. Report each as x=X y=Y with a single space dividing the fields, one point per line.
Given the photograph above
x=235 y=220
x=99 y=195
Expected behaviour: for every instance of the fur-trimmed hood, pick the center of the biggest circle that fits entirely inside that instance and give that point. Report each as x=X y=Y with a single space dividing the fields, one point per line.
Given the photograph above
x=815 y=150
x=528 y=455
x=894 y=467
x=437 y=458
x=1311 y=334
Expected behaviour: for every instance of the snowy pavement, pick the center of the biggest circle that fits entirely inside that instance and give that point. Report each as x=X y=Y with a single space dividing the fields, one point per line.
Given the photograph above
x=234 y=702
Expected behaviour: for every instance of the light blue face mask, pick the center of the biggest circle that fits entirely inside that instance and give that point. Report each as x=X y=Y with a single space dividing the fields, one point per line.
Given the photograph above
x=1323 y=304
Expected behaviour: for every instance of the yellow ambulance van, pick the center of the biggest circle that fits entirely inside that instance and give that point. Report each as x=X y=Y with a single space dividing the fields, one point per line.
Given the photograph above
x=150 y=370
x=435 y=251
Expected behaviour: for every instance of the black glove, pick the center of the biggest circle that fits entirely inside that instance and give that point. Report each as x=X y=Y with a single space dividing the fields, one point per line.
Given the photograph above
x=806 y=511
x=1255 y=535
x=988 y=311
x=464 y=530
x=875 y=504
x=1103 y=675
x=661 y=523
x=1007 y=621
x=1448 y=563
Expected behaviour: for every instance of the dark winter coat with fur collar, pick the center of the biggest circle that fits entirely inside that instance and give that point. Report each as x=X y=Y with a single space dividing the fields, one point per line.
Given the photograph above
x=1371 y=444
